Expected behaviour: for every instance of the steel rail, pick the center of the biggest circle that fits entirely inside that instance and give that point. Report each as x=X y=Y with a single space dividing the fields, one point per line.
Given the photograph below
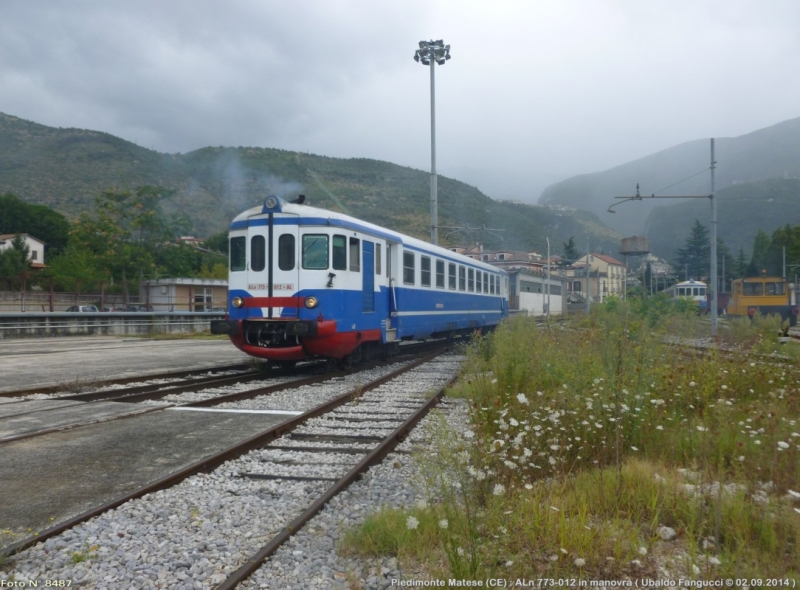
x=213 y=461
x=167 y=375
x=374 y=457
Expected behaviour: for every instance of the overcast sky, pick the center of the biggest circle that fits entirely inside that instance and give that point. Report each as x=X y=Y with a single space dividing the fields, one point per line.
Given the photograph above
x=536 y=90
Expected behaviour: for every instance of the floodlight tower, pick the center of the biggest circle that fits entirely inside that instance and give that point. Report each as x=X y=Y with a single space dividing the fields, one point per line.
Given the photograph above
x=429 y=54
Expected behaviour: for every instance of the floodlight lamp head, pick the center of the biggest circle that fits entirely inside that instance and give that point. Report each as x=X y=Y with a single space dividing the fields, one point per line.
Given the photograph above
x=416 y=56
x=423 y=44
x=440 y=61
x=426 y=62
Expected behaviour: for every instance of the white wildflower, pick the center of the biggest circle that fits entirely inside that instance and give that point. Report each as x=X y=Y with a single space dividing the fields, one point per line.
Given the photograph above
x=499 y=489
x=412 y=523
x=580 y=562
x=642 y=550
x=521 y=398
x=443 y=524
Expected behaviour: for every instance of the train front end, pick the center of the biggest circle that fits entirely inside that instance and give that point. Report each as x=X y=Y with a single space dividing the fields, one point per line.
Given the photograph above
x=269 y=313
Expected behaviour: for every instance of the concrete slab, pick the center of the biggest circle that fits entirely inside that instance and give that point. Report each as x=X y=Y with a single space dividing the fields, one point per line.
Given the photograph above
x=45 y=362
x=33 y=405
x=50 y=478
x=62 y=415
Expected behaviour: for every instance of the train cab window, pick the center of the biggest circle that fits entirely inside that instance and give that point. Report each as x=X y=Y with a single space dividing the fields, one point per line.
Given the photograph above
x=258 y=253
x=315 y=251
x=238 y=253
x=451 y=276
x=408 y=268
x=471 y=279
x=339 y=252
x=286 y=252
x=775 y=288
x=440 y=274
x=355 y=254
x=425 y=271
x=753 y=289
x=378 y=249
x=702 y=291
x=486 y=282
x=462 y=278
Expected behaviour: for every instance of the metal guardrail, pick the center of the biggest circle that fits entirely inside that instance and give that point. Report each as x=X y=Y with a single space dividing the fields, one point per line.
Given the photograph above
x=14 y=325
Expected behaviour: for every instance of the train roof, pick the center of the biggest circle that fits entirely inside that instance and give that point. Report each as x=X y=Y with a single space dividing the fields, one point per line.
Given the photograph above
x=317 y=216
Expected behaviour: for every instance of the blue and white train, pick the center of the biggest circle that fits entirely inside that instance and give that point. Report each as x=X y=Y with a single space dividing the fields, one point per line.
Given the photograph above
x=309 y=283
x=691 y=289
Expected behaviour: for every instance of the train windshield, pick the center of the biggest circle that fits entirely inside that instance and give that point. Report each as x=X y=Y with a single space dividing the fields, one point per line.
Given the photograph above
x=753 y=289
x=315 y=251
x=238 y=253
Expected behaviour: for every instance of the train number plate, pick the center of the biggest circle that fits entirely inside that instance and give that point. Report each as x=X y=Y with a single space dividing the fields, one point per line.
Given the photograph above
x=283 y=286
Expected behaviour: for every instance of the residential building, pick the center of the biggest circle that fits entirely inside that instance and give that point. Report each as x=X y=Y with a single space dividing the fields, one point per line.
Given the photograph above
x=598 y=275
x=35 y=245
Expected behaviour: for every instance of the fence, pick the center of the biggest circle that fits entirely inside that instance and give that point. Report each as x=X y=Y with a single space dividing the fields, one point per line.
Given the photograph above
x=43 y=301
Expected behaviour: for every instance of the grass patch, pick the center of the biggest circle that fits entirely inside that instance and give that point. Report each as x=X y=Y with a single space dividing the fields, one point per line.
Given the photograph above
x=589 y=443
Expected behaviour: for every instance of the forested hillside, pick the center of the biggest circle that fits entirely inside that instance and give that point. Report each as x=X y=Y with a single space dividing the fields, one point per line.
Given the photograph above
x=67 y=168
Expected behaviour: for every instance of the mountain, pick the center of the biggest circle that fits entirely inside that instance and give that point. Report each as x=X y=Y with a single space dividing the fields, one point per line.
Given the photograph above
x=66 y=168
x=769 y=153
x=742 y=210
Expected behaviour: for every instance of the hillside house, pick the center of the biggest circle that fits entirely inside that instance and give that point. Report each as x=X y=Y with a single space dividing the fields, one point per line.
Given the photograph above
x=35 y=245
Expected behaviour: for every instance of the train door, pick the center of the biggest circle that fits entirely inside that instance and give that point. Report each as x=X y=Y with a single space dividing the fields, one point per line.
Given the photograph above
x=392 y=250
x=285 y=267
x=272 y=270
x=368 y=277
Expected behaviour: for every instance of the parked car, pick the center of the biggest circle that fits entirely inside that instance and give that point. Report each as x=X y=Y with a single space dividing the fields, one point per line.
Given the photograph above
x=82 y=309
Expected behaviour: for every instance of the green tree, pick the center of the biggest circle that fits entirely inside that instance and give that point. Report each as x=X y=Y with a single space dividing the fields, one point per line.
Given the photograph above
x=218 y=242
x=15 y=263
x=76 y=269
x=695 y=256
x=570 y=254
x=19 y=217
x=128 y=229
x=760 y=258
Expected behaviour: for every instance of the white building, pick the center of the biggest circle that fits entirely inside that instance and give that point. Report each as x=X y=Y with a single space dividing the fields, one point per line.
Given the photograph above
x=35 y=246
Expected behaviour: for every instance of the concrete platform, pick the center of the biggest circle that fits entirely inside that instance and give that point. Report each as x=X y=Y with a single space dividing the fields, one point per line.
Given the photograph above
x=45 y=362
x=52 y=477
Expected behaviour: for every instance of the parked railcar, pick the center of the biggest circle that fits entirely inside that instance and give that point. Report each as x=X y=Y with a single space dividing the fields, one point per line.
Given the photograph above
x=305 y=283
x=691 y=289
x=765 y=296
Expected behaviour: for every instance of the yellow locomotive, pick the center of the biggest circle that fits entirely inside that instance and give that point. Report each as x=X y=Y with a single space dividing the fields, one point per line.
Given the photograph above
x=765 y=296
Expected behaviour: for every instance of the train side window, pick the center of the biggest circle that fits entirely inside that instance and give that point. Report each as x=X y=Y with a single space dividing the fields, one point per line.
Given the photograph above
x=355 y=254
x=408 y=268
x=315 y=251
x=486 y=282
x=451 y=276
x=492 y=283
x=440 y=274
x=425 y=271
x=339 y=250
x=462 y=278
x=258 y=253
x=238 y=253
x=378 y=249
x=478 y=281
x=471 y=279
x=286 y=252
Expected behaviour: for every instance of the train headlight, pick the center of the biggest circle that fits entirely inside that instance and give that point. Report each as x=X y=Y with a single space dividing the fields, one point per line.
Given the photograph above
x=271 y=202
x=237 y=301
x=311 y=302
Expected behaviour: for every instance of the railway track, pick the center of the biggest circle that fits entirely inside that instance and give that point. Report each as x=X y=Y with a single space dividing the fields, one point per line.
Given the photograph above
x=287 y=472
x=26 y=418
